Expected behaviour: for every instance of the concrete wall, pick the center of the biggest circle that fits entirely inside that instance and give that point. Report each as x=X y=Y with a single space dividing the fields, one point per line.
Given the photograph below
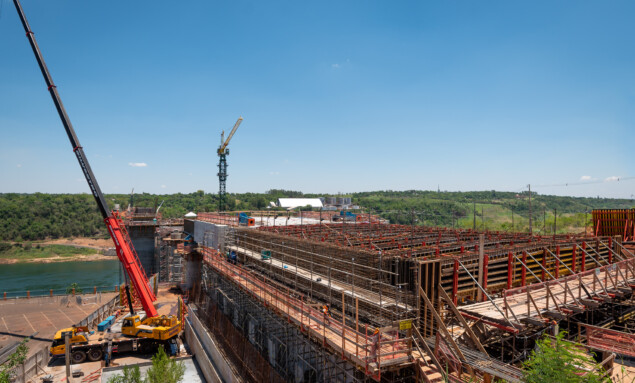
x=209 y=234
x=205 y=348
x=143 y=242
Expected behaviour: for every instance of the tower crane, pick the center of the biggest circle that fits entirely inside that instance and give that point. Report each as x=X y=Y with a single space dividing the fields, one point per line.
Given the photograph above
x=223 y=152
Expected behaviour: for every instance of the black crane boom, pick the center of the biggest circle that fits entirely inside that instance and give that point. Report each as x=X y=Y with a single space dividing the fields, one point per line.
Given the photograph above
x=77 y=148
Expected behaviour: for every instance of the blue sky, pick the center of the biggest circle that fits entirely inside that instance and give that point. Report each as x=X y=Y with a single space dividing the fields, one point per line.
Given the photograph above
x=337 y=96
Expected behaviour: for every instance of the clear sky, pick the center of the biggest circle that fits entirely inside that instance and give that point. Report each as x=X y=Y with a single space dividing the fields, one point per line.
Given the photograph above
x=337 y=96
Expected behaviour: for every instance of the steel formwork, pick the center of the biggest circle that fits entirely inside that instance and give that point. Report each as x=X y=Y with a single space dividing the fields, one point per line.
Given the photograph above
x=615 y=222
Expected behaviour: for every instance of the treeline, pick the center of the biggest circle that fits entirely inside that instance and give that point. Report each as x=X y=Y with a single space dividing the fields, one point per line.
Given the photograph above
x=28 y=217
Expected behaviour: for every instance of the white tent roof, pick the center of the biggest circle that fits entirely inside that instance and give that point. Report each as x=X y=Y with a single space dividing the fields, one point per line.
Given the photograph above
x=299 y=202
x=190 y=215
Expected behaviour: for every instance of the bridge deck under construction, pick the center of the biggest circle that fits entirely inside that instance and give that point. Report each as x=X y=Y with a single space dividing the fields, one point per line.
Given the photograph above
x=575 y=293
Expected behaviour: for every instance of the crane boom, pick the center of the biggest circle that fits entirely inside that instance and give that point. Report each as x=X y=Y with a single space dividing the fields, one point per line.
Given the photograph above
x=125 y=250
x=231 y=134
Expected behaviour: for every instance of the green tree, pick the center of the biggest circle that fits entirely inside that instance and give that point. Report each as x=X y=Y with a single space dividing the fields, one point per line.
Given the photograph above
x=164 y=369
x=17 y=358
x=557 y=360
x=130 y=375
x=75 y=285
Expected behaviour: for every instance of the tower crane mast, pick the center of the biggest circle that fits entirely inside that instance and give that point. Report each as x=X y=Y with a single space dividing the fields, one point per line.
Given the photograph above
x=223 y=152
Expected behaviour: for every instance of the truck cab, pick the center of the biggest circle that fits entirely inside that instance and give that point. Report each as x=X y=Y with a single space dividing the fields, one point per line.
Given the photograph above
x=77 y=334
x=158 y=328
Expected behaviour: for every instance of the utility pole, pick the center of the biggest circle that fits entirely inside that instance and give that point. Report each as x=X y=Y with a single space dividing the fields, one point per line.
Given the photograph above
x=530 y=229
x=512 y=219
x=482 y=215
x=474 y=208
x=555 y=222
x=67 y=355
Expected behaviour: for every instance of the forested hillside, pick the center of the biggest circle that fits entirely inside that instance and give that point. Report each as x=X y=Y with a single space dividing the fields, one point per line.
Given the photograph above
x=27 y=217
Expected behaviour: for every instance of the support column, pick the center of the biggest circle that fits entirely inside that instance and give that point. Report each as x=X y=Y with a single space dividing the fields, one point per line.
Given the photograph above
x=481 y=254
x=455 y=283
x=485 y=264
x=510 y=269
x=523 y=273
x=544 y=265
x=557 y=274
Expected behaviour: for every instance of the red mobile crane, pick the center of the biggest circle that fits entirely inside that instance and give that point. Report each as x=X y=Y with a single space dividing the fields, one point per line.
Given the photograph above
x=125 y=250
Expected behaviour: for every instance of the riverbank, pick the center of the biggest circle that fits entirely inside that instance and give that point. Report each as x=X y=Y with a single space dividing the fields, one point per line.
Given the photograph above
x=53 y=251
x=56 y=259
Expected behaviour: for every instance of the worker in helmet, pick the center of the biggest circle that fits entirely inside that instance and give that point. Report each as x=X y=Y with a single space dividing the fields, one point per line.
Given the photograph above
x=327 y=314
x=374 y=343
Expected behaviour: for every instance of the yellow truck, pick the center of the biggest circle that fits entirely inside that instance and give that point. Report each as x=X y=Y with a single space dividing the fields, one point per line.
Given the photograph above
x=137 y=335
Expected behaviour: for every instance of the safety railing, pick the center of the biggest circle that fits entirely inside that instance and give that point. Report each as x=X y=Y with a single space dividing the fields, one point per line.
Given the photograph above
x=229 y=219
x=371 y=349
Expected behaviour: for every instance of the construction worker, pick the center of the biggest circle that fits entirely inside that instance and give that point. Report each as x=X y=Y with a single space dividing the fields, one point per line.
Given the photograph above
x=327 y=314
x=374 y=340
x=554 y=328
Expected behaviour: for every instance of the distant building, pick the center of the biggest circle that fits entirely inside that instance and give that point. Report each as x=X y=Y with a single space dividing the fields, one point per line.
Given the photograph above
x=337 y=203
x=290 y=203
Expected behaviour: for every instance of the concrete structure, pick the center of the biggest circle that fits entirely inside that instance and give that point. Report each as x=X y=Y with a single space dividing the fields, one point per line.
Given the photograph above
x=406 y=281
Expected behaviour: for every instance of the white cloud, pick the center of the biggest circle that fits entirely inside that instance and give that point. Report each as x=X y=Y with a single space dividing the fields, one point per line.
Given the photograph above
x=19 y=165
x=585 y=178
x=163 y=186
x=274 y=173
x=138 y=164
x=336 y=66
x=611 y=179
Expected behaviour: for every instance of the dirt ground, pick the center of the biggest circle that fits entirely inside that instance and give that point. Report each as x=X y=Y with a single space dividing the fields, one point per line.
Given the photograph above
x=624 y=373
x=20 y=318
x=166 y=303
x=100 y=244
x=83 y=257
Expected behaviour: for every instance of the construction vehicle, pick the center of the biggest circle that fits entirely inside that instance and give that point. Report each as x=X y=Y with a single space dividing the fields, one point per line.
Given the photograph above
x=223 y=152
x=88 y=345
x=346 y=216
x=148 y=330
x=265 y=255
x=245 y=220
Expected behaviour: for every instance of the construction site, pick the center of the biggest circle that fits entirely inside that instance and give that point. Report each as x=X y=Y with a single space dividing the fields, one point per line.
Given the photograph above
x=300 y=293
x=372 y=301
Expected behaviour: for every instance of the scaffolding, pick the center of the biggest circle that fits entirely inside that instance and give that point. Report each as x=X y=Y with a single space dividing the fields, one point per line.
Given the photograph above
x=230 y=310
x=390 y=348
x=375 y=275
x=325 y=271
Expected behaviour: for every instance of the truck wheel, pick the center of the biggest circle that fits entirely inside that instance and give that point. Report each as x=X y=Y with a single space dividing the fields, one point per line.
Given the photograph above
x=95 y=354
x=78 y=356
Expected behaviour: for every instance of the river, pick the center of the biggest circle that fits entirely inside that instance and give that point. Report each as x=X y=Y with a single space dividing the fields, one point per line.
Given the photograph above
x=39 y=278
